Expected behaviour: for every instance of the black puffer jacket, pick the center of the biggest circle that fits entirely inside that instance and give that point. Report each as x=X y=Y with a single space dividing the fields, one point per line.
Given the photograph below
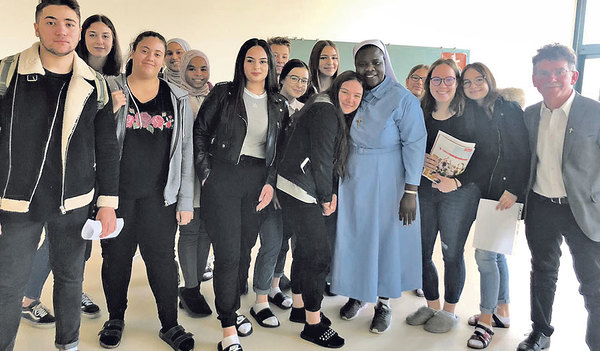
x=511 y=168
x=221 y=125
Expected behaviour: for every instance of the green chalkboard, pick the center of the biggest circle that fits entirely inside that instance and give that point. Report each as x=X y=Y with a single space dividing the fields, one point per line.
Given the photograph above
x=403 y=57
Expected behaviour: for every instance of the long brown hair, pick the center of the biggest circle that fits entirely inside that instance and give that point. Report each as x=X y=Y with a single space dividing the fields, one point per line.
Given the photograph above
x=315 y=58
x=429 y=104
x=341 y=147
x=490 y=99
x=112 y=66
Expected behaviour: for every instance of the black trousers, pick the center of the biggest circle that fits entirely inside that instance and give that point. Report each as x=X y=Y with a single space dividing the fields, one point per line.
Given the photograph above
x=312 y=254
x=228 y=202
x=152 y=226
x=546 y=225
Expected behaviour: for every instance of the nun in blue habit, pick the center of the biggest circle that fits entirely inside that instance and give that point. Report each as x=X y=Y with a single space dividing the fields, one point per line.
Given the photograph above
x=377 y=251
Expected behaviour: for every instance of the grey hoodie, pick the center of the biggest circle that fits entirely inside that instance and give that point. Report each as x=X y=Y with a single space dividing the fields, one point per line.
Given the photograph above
x=180 y=180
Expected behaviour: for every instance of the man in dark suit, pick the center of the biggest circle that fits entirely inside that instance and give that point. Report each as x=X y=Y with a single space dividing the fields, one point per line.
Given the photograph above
x=563 y=192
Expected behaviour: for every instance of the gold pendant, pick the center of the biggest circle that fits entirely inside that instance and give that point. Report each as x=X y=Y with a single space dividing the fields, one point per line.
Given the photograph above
x=358 y=122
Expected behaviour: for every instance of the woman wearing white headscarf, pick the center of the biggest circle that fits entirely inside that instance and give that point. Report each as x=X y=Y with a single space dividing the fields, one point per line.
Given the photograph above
x=386 y=153
x=176 y=47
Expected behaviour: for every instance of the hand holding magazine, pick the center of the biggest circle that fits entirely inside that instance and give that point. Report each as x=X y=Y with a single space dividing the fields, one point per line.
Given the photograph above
x=453 y=155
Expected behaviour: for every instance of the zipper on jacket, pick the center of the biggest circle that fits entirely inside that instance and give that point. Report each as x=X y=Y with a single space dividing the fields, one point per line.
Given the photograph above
x=497 y=160
x=240 y=153
x=177 y=130
x=276 y=134
x=63 y=209
x=10 y=130
x=48 y=145
x=275 y=145
x=174 y=146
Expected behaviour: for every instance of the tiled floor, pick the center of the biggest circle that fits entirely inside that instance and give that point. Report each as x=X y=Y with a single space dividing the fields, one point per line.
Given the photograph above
x=142 y=322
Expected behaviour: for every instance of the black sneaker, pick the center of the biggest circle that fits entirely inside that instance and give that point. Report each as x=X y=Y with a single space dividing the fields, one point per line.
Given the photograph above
x=38 y=315
x=382 y=319
x=88 y=308
x=351 y=308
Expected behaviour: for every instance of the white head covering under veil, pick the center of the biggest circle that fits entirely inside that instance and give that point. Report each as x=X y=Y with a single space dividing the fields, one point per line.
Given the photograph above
x=389 y=70
x=171 y=75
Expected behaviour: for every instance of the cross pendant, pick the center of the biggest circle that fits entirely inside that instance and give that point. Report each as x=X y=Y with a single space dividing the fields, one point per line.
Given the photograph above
x=358 y=122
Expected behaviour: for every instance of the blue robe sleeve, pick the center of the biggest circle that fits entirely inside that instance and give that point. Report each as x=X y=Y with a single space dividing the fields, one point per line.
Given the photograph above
x=413 y=138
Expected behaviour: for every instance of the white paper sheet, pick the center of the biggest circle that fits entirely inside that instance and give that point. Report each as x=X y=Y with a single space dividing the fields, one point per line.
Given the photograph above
x=496 y=230
x=92 y=229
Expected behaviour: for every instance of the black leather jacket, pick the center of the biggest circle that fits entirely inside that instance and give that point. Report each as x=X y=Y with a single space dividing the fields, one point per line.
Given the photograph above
x=221 y=125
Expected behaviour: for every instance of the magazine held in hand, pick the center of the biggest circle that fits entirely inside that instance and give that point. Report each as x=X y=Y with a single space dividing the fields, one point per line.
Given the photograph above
x=453 y=155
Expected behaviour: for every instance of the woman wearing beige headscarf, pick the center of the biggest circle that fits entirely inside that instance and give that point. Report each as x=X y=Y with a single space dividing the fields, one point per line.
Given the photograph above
x=194 y=244
x=176 y=47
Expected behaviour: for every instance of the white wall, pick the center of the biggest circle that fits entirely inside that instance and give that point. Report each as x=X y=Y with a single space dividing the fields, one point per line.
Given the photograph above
x=503 y=34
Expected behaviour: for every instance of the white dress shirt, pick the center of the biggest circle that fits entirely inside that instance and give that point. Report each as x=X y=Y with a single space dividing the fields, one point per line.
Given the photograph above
x=551 y=138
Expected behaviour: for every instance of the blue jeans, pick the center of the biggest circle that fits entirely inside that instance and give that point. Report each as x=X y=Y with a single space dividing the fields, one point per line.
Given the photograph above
x=271 y=233
x=493 y=279
x=18 y=244
x=451 y=214
x=193 y=248
x=39 y=271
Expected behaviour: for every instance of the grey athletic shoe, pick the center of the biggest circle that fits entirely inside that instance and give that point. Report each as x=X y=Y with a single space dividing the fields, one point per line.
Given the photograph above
x=421 y=316
x=441 y=322
x=351 y=308
x=382 y=319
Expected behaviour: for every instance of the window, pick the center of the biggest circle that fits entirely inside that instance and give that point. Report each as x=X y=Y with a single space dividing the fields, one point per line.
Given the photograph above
x=591 y=85
x=586 y=43
x=591 y=31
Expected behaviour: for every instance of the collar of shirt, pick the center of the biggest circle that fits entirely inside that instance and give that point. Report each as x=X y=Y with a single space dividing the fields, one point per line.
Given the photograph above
x=255 y=96
x=379 y=90
x=566 y=107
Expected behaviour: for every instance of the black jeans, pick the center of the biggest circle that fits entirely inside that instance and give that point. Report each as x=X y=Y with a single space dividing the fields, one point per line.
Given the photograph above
x=312 y=254
x=152 y=226
x=18 y=244
x=546 y=224
x=229 y=199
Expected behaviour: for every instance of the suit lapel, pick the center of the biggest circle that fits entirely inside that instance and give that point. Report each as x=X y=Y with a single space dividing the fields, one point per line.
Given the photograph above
x=576 y=116
x=532 y=118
